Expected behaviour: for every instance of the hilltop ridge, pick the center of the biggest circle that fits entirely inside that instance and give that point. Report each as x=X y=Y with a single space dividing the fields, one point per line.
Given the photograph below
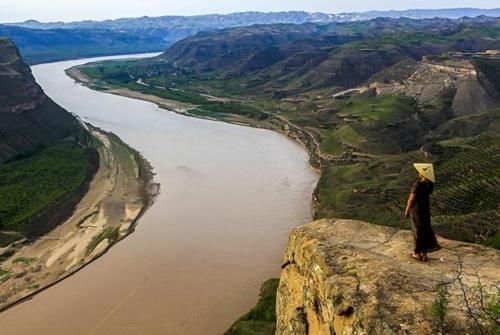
x=88 y=38
x=247 y=18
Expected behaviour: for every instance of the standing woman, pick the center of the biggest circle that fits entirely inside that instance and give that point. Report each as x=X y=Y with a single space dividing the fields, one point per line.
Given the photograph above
x=418 y=205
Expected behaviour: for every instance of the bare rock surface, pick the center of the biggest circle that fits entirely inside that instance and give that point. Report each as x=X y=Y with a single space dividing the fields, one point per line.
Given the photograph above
x=350 y=277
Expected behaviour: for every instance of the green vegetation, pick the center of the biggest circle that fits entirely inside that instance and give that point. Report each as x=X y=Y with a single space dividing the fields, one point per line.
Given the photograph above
x=336 y=141
x=479 y=303
x=122 y=74
x=119 y=73
x=491 y=69
x=494 y=241
x=115 y=73
x=236 y=109
x=358 y=117
x=379 y=110
x=31 y=185
x=401 y=40
x=439 y=308
x=372 y=190
x=261 y=320
x=4 y=275
x=465 y=203
x=110 y=233
x=23 y=260
x=493 y=310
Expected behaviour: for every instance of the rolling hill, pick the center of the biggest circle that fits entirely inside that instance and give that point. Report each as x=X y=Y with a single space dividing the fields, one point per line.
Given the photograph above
x=44 y=42
x=375 y=95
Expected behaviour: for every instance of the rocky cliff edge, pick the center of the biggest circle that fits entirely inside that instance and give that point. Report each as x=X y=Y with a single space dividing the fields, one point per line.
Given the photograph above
x=350 y=277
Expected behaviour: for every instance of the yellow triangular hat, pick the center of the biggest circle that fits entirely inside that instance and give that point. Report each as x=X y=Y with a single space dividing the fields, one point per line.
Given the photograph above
x=426 y=170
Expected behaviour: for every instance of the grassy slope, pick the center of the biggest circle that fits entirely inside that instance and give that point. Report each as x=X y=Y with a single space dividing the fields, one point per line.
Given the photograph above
x=30 y=186
x=465 y=205
x=260 y=320
x=116 y=73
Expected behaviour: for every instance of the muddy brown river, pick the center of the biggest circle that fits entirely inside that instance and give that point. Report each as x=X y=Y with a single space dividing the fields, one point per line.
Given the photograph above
x=229 y=197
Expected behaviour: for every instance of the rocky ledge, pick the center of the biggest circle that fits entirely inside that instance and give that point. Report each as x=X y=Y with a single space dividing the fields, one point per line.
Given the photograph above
x=350 y=277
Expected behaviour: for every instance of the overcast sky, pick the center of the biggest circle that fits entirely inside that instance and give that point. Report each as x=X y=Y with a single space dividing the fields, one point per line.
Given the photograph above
x=69 y=10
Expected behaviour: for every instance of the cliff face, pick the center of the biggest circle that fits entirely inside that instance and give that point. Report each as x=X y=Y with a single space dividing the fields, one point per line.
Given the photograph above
x=29 y=120
x=349 y=277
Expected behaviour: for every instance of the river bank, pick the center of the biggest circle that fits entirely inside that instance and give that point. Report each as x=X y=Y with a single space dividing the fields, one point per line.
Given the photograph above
x=273 y=122
x=200 y=254
x=121 y=190
x=317 y=159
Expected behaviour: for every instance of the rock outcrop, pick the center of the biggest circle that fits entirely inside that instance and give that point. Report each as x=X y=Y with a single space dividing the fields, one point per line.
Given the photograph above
x=29 y=120
x=433 y=82
x=349 y=277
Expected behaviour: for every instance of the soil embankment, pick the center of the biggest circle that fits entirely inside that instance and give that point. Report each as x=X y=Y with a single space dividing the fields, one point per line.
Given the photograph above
x=120 y=192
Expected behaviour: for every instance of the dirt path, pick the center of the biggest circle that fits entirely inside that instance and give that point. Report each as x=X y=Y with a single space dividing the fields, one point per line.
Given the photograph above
x=120 y=192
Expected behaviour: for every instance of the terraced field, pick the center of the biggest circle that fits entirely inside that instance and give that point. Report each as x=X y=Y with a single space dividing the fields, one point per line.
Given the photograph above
x=466 y=204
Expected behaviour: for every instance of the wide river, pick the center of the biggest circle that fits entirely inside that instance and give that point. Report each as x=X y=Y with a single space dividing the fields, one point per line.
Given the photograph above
x=229 y=197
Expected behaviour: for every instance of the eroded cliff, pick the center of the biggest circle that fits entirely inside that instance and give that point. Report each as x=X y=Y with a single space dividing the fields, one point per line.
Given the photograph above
x=29 y=120
x=349 y=277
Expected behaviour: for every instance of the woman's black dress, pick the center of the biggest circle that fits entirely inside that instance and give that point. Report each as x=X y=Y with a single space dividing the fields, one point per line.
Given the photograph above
x=425 y=240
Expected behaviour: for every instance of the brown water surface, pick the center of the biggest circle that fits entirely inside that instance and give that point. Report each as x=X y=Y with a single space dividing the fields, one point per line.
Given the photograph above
x=229 y=196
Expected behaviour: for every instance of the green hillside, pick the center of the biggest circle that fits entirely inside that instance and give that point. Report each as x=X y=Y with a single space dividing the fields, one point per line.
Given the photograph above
x=33 y=186
x=46 y=157
x=368 y=138
x=260 y=320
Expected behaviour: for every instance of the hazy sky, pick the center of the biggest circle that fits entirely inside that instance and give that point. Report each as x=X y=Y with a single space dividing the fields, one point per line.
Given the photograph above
x=68 y=10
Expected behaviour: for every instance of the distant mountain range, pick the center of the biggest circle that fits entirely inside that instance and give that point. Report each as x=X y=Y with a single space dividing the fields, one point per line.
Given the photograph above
x=219 y=21
x=49 y=45
x=43 y=42
x=198 y=22
x=449 y=13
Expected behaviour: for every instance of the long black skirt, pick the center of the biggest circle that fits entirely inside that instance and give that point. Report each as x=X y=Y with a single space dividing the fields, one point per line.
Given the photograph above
x=423 y=234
